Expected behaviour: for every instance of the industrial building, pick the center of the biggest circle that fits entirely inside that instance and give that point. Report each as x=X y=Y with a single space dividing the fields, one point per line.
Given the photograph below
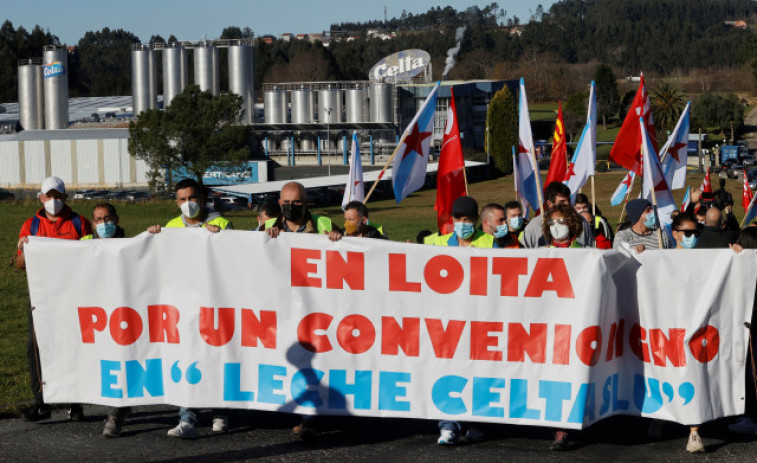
x=296 y=123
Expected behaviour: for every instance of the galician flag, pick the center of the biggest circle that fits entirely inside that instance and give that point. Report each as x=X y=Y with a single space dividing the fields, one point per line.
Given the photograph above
x=706 y=183
x=411 y=156
x=528 y=169
x=585 y=156
x=686 y=199
x=655 y=180
x=354 y=190
x=751 y=212
x=623 y=189
x=675 y=152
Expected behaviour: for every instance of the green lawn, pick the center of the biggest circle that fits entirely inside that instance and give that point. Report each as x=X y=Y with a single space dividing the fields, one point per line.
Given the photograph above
x=402 y=222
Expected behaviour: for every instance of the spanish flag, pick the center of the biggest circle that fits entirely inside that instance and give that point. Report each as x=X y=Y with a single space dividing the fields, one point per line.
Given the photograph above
x=558 y=164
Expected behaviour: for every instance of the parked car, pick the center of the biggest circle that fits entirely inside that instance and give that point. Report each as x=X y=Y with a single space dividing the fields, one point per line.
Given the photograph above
x=5 y=194
x=747 y=160
x=80 y=194
x=96 y=195
x=734 y=171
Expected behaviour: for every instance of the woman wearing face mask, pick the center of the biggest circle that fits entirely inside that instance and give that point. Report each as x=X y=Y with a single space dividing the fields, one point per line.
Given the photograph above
x=561 y=226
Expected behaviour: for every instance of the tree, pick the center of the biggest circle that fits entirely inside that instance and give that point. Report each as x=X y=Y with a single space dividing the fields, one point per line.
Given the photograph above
x=502 y=118
x=608 y=98
x=574 y=113
x=717 y=111
x=196 y=132
x=667 y=104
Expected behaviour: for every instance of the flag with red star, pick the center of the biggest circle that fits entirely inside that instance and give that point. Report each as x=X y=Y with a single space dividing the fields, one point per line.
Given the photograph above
x=411 y=157
x=654 y=179
x=354 y=190
x=674 y=153
x=623 y=189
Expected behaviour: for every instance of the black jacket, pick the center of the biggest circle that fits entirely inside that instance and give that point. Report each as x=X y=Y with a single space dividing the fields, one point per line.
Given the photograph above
x=714 y=237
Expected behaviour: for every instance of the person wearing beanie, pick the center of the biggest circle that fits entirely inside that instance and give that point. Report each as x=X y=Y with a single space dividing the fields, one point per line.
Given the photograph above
x=641 y=234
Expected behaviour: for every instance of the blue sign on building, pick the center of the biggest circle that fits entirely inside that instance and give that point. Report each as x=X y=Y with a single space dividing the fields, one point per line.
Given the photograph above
x=220 y=176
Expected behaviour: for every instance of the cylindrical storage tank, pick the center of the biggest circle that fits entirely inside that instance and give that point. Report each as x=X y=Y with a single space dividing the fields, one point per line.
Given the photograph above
x=302 y=109
x=240 y=78
x=31 y=94
x=382 y=109
x=307 y=140
x=55 y=72
x=366 y=105
x=184 y=68
x=206 y=68
x=216 y=60
x=353 y=98
x=329 y=106
x=153 y=69
x=140 y=79
x=174 y=72
x=275 y=106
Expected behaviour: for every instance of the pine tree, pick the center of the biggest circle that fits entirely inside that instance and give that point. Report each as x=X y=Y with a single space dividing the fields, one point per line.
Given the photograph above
x=502 y=118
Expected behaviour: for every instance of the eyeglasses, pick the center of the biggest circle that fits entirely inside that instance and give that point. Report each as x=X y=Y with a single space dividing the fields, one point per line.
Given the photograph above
x=561 y=221
x=689 y=233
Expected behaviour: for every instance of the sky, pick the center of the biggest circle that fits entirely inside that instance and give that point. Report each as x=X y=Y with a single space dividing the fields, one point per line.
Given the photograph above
x=196 y=19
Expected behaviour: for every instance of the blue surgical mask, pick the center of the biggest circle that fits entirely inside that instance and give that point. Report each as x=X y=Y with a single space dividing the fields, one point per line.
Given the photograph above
x=105 y=229
x=515 y=222
x=689 y=242
x=501 y=231
x=464 y=230
x=650 y=221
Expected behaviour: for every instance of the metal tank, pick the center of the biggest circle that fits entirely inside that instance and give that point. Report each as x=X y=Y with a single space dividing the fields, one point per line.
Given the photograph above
x=275 y=106
x=354 y=101
x=302 y=113
x=141 y=82
x=174 y=71
x=31 y=94
x=329 y=105
x=55 y=72
x=382 y=109
x=240 y=77
x=153 y=76
x=206 y=68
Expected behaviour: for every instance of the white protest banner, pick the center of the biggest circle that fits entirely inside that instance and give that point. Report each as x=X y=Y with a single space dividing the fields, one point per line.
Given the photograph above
x=366 y=327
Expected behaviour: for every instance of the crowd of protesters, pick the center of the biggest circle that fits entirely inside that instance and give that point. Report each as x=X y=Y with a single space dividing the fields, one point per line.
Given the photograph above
x=566 y=222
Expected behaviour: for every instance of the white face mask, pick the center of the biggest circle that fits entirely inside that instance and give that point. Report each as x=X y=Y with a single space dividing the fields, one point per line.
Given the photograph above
x=190 y=209
x=53 y=206
x=559 y=231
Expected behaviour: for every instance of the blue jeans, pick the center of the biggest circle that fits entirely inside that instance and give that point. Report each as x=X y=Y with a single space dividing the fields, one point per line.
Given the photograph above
x=454 y=426
x=188 y=415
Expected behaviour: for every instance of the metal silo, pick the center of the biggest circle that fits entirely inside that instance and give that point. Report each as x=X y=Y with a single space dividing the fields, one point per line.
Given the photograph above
x=206 y=68
x=153 y=70
x=275 y=106
x=174 y=71
x=31 y=94
x=329 y=105
x=240 y=77
x=302 y=113
x=382 y=109
x=141 y=82
x=354 y=101
x=55 y=71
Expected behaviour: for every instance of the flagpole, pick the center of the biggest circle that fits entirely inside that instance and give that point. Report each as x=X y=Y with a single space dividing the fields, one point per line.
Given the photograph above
x=465 y=179
x=593 y=199
x=381 y=174
x=623 y=210
x=515 y=174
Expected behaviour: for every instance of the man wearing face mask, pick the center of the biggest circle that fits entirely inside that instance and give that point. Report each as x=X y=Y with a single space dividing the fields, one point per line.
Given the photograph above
x=356 y=222
x=191 y=200
x=494 y=222
x=296 y=217
x=54 y=220
x=641 y=234
x=464 y=218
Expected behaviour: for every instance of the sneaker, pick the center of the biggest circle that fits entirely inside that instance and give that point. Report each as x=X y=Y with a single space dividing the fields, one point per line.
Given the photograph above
x=694 y=445
x=447 y=437
x=305 y=431
x=220 y=424
x=185 y=430
x=112 y=426
x=744 y=426
x=654 y=431
x=39 y=411
x=561 y=441
x=474 y=435
x=76 y=413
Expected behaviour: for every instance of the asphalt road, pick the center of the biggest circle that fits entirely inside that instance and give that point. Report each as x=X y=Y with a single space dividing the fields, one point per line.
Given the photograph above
x=258 y=436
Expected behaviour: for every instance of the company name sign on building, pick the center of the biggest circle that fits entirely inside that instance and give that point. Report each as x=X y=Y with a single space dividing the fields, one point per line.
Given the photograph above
x=54 y=69
x=402 y=66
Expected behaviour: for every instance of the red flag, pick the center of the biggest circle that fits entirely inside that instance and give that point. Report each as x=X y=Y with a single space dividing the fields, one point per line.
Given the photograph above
x=706 y=184
x=627 y=148
x=746 y=199
x=558 y=164
x=450 y=178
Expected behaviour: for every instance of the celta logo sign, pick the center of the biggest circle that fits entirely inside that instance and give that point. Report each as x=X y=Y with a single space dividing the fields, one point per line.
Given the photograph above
x=400 y=67
x=54 y=69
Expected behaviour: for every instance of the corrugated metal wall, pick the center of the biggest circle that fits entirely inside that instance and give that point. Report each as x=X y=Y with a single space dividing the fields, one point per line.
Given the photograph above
x=99 y=163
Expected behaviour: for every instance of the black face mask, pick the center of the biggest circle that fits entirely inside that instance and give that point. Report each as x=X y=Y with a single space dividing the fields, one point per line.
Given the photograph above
x=293 y=212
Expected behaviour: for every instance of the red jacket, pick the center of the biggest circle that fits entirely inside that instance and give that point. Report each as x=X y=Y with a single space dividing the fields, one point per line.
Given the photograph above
x=63 y=228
